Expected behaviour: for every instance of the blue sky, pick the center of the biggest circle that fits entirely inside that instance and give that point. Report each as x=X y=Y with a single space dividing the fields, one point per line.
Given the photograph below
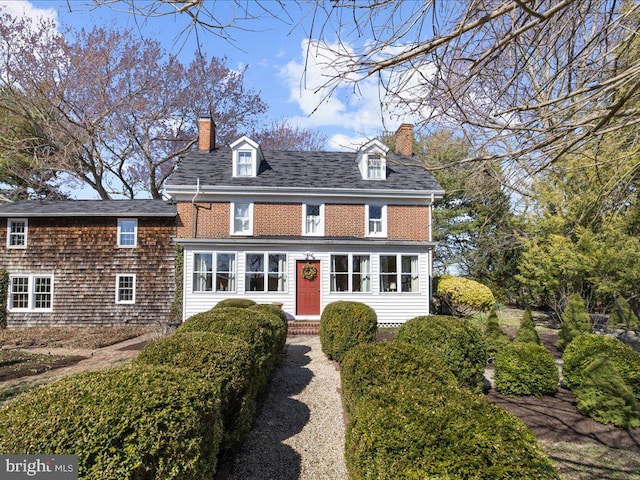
x=274 y=53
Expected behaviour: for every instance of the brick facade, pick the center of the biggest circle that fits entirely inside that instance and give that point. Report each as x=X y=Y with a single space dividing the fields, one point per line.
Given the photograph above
x=83 y=256
x=343 y=220
x=277 y=219
x=406 y=222
x=211 y=220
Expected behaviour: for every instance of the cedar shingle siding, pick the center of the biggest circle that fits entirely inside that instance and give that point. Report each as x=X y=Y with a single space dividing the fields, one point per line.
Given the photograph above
x=83 y=255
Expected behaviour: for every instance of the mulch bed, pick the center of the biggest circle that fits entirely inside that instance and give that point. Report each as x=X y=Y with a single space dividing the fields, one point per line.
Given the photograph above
x=17 y=364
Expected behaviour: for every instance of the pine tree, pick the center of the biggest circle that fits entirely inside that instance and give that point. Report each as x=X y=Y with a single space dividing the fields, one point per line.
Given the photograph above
x=494 y=337
x=527 y=331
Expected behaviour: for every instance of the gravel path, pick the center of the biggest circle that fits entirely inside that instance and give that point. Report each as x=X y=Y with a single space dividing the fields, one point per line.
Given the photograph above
x=299 y=432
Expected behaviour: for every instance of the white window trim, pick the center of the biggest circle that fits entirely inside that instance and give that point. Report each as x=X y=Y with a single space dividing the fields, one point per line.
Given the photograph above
x=214 y=271
x=398 y=290
x=383 y=232
x=135 y=232
x=125 y=302
x=383 y=166
x=30 y=291
x=350 y=273
x=232 y=218
x=265 y=272
x=236 y=162
x=320 y=232
x=10 y=221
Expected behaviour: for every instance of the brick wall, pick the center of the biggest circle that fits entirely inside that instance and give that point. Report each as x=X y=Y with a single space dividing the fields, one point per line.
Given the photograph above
x=408 y=222
x=83 y=256
x=277 y=219
x=212 y=220
x=343 y=220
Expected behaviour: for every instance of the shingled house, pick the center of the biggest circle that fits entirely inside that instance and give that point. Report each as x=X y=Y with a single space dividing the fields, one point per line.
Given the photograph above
x=88 y=262
x=304 y=229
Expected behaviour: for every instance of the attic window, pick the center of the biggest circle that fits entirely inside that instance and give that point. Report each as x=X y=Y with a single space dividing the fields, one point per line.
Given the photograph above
x=244 y=167
x=374 y=167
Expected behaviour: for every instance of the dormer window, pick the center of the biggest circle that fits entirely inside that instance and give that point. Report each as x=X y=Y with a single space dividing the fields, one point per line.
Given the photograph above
x=246 y=157
x=372 y=161
x=374 y=167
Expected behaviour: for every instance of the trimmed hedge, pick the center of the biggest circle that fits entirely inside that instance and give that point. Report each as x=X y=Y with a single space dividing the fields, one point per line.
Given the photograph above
x=527 y=331
x=343 y=325
x=494 y=338
x=219 y=358
x=526 y=369
x=371 y=365
x=235 y=303
x=463 y=296
x=575 y=321
x=406 y=431
x=134 y=422
x=584 y=349
x=265 y=333
x=456 y=341
x=605 y=397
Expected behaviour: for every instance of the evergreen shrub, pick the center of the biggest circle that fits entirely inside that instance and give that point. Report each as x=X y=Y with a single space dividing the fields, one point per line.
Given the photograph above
x=235 y=303
x=527 y=331
x=273 y=310
x=575 y=321
x=370 y=365
x=622 y=315
x=405 y=431
x=343 y=325
x=526 y=369
x=583 y=350
x=455 y=340
x=222 y=359
x=604 y=396
x=135 y=422
x=494 y=338
x=464 y=297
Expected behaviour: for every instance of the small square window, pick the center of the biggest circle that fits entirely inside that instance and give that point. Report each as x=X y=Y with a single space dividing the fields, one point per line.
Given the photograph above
x=17 y=233
x=126 y=289
x=127 y=232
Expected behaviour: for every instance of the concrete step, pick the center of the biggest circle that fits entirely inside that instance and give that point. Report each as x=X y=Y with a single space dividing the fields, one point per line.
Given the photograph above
x=303 y=327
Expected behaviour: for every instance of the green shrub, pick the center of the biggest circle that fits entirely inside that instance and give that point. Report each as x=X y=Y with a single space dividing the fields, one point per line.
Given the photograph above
x=134 y=422
x=583 y=350
x=622 y=315
x=494 y=338
x=575 y=321
x=370 y=365
x=443 y=432
x=463 y=296
x=343 y=325
x=527 y=331
x=222 y=359
x=526 y=369
x=455 y=340
x=265 y=333
x=604 y=396
x=235 y=303
x=273 y=310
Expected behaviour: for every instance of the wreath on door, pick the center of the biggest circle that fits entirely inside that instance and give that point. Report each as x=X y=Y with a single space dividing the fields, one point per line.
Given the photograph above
x=309 y=272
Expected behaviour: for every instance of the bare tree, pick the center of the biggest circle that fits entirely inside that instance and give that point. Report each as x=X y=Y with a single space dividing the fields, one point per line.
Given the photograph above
x=281 y=135
x=114 y=111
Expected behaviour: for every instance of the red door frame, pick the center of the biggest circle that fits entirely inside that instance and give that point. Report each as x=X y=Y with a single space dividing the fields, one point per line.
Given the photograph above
x=307 y=291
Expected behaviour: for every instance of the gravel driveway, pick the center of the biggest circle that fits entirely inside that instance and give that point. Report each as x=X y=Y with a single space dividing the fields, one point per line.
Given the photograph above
x=299 y=432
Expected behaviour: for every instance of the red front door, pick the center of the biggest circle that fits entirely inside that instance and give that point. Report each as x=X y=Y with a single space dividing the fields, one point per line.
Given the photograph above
x=308 y=290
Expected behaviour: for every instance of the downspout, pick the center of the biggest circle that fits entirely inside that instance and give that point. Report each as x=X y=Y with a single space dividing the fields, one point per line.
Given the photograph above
x=430 y=255
x=194 y=230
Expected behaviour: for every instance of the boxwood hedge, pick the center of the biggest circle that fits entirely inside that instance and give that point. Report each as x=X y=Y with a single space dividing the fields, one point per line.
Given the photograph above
x=583 y=350
x=455 y=340
x=463 y=296
x=407 y=431
x=526 y=369
x=377 y=364
x=137 y=422
x=343 y=325
x=235 y=302
x=223 y=359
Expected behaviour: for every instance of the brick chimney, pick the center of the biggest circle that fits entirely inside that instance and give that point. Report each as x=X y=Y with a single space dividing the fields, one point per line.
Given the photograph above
x=206 y=134
x=404 y=140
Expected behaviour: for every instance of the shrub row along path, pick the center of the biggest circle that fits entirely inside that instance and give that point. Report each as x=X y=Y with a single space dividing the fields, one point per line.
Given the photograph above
x=299 y=432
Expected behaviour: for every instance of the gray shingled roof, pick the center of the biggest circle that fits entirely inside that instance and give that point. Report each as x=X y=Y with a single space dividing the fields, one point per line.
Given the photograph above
x=88 y=208
x=287 y=169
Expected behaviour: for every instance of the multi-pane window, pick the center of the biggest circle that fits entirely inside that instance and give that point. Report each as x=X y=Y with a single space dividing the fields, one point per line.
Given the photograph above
x=350 y=273
x=399 y=273
x=17 y=233
x=376 y=221
x=244 y=166
x=127 y=232
x=125 y=289
x=265 y=272
x=204 y=273
x=374 y=167
x=241 y=218
x=313 y=220
x=31 y=292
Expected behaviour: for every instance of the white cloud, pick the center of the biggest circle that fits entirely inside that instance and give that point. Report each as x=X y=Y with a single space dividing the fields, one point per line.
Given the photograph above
x=23 y=8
